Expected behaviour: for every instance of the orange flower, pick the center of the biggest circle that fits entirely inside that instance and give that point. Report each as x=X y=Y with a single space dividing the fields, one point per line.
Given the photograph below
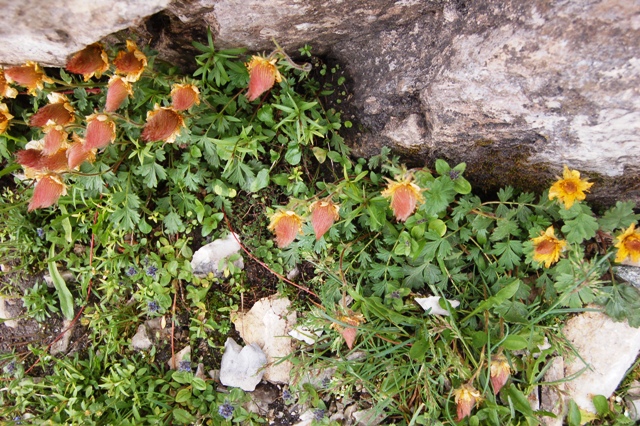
x=349 y=334
x=466 y=397
x=263 y=74
x=570 y=188
x=499 y=372
x=4 y=118
x=29 y=75
x=184 y=96
x=628 y=245
x=6 y=91
x=547 y=247
x=59 y=110
x=36 y=164
x=163 y=124
x=101 y=131
x=79 y=152
x=405 y=196
x=131 y=63
x=55 y=138
x=47 y=191
x=286 y=225
x=323 y=214
x=117 y=92
x=90 y=61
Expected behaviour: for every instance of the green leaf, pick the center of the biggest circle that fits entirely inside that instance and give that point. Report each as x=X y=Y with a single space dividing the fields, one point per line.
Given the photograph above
x=505 y=293
x=173 y=223
x=199 y=384
x=64 y=295
x=182 y=416
x=624 y=303
x=581 y=227
x=601 y=404
x=573 y=415
x=419 y=349
x=320 y=154
x=439 y=196
x=442 y=167
x=66 y=224
x=293 y=155
x=462 y=186
x=260 y=182
x=509 y=252
x=438 y=226
x=519 y=400
x=514 y=342
x=620 y=216
x=144 y=227
x=183 y=395
x=417 y=276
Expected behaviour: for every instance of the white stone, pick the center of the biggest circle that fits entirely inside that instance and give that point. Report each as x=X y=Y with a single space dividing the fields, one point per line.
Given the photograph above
x=551 y=395
x=183 y=355
x=207 y=259
x=140 y=340
x=242 y=367
x=268 y=324
x=62 y=344
x=607 y=347
x=433 y=303
x=5 y=313
x=306 y=335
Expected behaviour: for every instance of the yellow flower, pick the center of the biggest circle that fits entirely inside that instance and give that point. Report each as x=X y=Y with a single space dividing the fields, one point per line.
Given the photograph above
x=4 y=118
x=323 y=214
x=500 y=371
x=547 y=247
x=466 y=397
x=101 y=131
x=6 y=91
x=29 y=75
x=405 y=196
x=131 y=63
x=286 y=225
x=629 y=245
x=570 y=188
x=59 y=110
x=263 y=74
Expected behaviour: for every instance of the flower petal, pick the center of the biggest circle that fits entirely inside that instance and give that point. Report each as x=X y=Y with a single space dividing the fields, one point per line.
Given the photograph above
x=101 y=131
x=263 y=74
x=57 y=112
x=323 y=215
x=47 y=192
x=130 y=63
x=29 y=75
x=90 y=61
x=117 y=92
x=184 y=96
x=286 y=225
x=163 y=124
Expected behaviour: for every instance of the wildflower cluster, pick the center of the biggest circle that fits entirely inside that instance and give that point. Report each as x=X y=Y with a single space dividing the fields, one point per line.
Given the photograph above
x=65 y=145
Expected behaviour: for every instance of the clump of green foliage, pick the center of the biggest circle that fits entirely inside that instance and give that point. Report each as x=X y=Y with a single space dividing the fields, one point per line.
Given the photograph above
x=131 y=219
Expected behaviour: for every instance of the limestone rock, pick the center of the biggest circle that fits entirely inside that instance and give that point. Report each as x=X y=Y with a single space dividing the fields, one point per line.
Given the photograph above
x=62 y=344
x=609 y=348
x=48 y=32
x=551 y=395
x=140 y=340
x=242 y=367
x=267 y=324
x=207 y=259
x=9 y=310
x=179 y=360
x=432 y=304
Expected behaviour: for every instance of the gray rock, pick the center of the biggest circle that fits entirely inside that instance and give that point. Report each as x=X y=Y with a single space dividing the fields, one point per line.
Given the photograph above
x=630 y=274
x=48 y=32
x=140 y=340
x=242 y=367
x=207 y=259
x=516 y=89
